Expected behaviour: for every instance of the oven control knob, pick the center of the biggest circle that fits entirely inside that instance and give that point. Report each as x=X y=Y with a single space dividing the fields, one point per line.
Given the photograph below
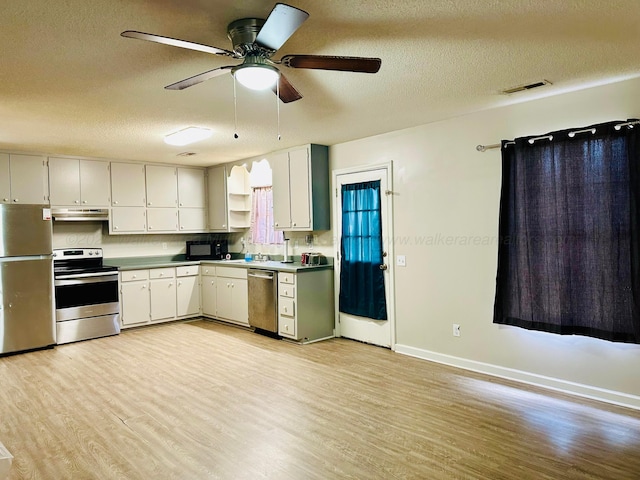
x=96 y=252
x=90 y=252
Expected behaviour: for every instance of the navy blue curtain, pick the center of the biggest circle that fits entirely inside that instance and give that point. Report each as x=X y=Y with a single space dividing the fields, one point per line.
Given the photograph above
x=361 y=280
x=569 y=256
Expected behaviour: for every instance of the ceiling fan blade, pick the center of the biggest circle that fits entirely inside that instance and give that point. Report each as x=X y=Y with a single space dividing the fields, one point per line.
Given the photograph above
x=288 y=92
x=177 y=43
x=323 y=62
x=281 y=23
x=191 y=81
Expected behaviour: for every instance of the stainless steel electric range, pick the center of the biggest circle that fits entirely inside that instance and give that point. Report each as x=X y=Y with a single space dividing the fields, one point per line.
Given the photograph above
x=86 y=293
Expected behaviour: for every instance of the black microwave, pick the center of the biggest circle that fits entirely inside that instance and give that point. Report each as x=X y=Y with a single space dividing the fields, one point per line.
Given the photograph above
x=207 y=249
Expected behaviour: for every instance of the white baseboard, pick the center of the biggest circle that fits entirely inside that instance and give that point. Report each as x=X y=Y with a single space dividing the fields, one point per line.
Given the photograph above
x=586 y=391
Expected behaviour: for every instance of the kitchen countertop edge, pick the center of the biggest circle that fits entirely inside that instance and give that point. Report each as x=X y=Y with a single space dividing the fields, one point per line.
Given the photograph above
x=142 y=263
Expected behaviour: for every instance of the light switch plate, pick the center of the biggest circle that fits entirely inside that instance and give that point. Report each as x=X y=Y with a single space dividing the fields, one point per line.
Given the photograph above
x=401 y=260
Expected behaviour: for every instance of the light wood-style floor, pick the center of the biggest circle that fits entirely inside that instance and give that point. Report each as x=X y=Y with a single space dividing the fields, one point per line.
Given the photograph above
x=202 y=400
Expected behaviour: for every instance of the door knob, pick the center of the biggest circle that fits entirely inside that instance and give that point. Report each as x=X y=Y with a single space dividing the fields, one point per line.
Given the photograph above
x=383 y=267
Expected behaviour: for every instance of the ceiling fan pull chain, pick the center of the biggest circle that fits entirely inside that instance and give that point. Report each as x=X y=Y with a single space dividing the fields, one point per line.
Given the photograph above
x=235 y=109
x=278 y=105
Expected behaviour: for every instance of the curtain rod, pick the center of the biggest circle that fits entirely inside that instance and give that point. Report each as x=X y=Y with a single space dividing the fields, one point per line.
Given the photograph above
x=483 y=148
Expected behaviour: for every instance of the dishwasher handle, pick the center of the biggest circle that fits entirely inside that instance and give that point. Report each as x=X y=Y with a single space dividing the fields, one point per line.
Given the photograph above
x=260 y=274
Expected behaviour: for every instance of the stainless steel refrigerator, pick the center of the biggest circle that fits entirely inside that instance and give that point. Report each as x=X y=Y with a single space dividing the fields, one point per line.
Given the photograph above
x=27 y=318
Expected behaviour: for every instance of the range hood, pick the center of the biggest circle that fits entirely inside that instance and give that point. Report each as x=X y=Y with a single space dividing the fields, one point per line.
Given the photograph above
x=80 y=214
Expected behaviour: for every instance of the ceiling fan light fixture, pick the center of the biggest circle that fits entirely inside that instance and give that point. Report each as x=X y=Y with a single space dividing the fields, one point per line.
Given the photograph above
x=187 y=136
x=256 y=77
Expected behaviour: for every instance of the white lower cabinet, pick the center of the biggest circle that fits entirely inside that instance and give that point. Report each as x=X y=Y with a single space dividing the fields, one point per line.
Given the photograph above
x=188 y=292
x=159 y=295
x=225 y=294
x=305 y=305
x=162 y=284
x=135 y=306
x=208 y=290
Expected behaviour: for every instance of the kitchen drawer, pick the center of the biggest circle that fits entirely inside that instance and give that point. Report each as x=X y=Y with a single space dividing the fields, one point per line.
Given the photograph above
x=231 y=272
x=286 y=306
x=287 y=278
x=286 y=326
x=208 y=270
x=286 y=290
x=162 y=273
x=187 y=271
x=134 y=275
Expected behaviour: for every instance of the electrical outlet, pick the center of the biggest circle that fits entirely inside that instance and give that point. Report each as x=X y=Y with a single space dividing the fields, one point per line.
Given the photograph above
x=401 y=261
x=164 y=245
x=456 y=330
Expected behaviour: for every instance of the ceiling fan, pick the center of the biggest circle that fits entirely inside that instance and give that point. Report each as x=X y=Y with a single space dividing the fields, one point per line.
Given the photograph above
x=255 y=41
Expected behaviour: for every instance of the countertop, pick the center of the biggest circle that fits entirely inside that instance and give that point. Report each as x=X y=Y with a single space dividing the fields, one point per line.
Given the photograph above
x=138 y=263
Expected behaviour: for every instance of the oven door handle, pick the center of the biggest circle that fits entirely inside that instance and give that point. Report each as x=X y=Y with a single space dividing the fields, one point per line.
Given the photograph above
x=85 y=278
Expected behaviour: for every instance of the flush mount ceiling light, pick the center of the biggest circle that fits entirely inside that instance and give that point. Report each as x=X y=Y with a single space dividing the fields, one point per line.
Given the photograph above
x=187 y=136
x=256 y=74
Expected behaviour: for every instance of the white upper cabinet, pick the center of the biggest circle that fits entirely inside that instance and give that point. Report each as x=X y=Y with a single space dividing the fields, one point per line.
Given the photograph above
x=79 y=182
x=162 y=220
x=192 y=204
x=281 y=190
x=128 y=220
x=28 y=179
x=162 y=186
x=127 y=185
x=191 y=188
x=5 y=181
x=217 y=203
x=95 y=183
x=301 y=188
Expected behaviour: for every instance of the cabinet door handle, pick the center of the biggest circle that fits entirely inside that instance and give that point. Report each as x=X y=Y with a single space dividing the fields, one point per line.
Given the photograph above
x=144 y=286
x=115 y=202
x=171 y=284
x=150 y=203
x=84 y=201
x=76 y=201
x=15 y=200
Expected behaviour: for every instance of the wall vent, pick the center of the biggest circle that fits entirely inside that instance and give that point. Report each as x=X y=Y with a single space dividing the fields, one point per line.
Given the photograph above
x=186 y=154
x=529 y=86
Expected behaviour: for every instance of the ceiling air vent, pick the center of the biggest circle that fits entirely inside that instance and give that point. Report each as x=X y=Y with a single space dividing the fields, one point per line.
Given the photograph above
x=186 y=154
x=529 y=86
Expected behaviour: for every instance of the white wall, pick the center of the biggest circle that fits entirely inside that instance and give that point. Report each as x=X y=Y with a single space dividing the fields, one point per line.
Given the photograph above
x=95 y=234
x=446 y=191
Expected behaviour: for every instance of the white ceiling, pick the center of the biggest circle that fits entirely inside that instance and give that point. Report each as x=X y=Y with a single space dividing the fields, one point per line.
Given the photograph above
x=71 y=85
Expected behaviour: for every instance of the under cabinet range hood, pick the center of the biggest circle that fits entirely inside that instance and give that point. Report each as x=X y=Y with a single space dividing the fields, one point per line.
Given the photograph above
x=80 y=214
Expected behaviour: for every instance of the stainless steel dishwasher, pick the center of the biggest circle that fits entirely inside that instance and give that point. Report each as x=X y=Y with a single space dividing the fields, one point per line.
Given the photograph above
x=263 y=305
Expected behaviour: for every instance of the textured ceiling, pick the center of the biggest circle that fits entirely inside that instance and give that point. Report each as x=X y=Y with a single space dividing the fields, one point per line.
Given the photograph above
x=70 y=85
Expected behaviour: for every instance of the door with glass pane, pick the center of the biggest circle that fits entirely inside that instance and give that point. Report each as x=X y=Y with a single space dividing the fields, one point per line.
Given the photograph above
x=363 y=266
